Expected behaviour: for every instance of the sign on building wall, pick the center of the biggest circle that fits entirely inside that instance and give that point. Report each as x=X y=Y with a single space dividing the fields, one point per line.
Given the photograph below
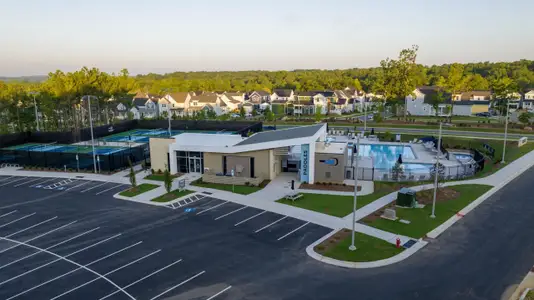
x=305 y=163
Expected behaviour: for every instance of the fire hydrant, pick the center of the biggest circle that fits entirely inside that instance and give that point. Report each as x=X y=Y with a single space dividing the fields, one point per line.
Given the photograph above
x=398 y=243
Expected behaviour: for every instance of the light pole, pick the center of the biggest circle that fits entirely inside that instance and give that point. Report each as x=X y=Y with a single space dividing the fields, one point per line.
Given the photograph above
x=436 y=173
x=365 y=117
x=505 y=131
x=355 y=151
x=92 y=136
x=168 y=91
x=35 y=109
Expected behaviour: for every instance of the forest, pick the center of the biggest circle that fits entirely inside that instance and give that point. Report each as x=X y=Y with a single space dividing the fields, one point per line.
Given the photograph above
x=59 y=98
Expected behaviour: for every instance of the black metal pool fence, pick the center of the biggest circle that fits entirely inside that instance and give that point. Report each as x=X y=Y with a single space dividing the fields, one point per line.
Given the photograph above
x=105 y=163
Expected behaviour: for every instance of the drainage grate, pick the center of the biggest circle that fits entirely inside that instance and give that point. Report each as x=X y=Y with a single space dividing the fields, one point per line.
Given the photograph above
x=409 y=243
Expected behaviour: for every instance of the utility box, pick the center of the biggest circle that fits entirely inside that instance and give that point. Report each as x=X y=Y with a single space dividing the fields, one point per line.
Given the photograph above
x=406 y=198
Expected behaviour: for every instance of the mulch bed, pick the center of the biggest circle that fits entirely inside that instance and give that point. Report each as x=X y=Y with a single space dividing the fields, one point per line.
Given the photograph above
x=332 y=241
x=328 y=187
x=423 y=197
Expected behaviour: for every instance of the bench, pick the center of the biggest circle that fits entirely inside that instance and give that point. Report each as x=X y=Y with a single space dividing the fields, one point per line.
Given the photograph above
x=293 y=197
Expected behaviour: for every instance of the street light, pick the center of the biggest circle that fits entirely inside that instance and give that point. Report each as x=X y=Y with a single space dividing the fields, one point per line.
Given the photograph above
x=35 y=109
x=169 y=111
x=436 y=172
x=505 y=130
x=355 y=151
x=91 y=125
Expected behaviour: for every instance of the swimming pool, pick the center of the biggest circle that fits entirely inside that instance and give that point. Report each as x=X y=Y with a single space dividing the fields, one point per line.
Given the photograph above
x=385 y=155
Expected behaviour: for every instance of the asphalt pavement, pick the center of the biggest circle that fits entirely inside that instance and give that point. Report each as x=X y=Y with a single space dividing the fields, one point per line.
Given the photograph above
x=222 y=250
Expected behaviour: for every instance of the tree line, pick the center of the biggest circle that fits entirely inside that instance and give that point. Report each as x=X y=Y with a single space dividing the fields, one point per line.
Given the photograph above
x=60 y=105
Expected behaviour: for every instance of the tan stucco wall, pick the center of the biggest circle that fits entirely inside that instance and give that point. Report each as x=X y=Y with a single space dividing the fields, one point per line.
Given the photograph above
x=479 y=108
x=337 y=173
x=262 y=160
x=159 y=147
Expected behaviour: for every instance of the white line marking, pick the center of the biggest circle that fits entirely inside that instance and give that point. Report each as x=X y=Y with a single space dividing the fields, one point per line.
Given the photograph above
x=38 y=183
x=256 y=215
x=212 y=208
x=86 y=182
x=179 y=284
x=139 y=280
x=39 y=236
x=101 y=192
x=108 y=273
x=8 y=213
x=230 y=213
x=270 y=224
x=21 y=218
x=70 y=272
x=93 y=187
x=6 y=178
x=48 y=248
x=27 y=228
x=282 y=237
x=51 y=253
x=13 y=181
x=229 y=287
x=25 y=182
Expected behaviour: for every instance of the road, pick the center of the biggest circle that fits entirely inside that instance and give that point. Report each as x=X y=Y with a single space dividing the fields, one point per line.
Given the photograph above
x=480 y=257
x=417 y=131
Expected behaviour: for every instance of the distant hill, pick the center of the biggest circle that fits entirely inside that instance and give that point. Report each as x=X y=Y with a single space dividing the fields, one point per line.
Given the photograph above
x=33 y=78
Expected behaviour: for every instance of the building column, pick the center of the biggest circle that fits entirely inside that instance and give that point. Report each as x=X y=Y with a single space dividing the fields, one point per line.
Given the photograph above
x=311 y=164
x=172 y=160
x=307 y=163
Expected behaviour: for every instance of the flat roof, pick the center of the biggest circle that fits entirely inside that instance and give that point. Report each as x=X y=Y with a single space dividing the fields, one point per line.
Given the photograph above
x=207 y=139
x=282 y=134
x=331 y=148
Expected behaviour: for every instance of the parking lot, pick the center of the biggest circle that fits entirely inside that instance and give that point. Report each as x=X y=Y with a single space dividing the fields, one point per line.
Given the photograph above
x=62 y=239
x=79 y=185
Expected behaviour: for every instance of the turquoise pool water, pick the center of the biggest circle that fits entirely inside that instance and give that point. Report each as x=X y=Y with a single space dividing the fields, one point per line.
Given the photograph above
x=384 y=156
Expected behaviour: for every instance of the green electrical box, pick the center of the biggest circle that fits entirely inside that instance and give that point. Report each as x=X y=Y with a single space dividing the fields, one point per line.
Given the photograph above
x=406 y=198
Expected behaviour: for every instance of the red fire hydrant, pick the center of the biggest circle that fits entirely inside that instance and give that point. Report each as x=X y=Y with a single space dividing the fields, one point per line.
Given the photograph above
x=398 y=242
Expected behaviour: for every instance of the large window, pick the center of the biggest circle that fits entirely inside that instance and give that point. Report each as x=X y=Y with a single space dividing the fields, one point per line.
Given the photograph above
x=190 y=162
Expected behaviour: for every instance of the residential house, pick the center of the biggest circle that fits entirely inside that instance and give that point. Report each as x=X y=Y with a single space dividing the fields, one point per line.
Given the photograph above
x=231 y=103
x=474 y=96
x=528 y=101
x=259 y=97
x=120 y=111
x=145 y=106
x=283 y=94
x=239 y=96
x=304 y=104
x=529 y=94
x=422 y=103
x=324 y=99
x=198 y=103
x=248 y=107
x=178 y=103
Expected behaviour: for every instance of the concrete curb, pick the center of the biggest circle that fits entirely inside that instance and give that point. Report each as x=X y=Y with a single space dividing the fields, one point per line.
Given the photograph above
x=117 y=196
x=83 y=176
x=362 y=265
x=524 y=294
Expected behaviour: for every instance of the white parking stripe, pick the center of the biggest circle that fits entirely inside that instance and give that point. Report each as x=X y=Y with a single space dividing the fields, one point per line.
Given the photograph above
x=284 y=236
x=108 y=273
x=48 y=248
x=212 y=208
x=6 y=178
x=38 y=183
x=266 y=226
x=21 y=218
x=178 y=285
x=7 y=214
x=35 y=225
x=86 y=182
x=93 y=187
x=39 y=236
x=101 y=192
x=72 y=271
x=139 y=280
x=13 y=181
x=230 y=213
x=25 y=182
x=55 y=260
x=229 y=287
x=256 y=215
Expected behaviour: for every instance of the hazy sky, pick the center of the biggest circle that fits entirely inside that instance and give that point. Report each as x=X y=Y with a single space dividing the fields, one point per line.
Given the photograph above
x=39 y=36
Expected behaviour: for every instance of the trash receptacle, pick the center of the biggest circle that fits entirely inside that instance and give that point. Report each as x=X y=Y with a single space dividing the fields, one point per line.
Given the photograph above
x=406 y=198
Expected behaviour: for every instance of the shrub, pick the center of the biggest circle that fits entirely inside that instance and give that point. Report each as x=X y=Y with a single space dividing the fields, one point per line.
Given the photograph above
x=344 y=184
x=153 y=171
x=159 y=171
x=247 y=183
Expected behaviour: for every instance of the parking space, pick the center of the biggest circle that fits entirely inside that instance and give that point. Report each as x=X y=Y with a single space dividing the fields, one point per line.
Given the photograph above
x=63 y=184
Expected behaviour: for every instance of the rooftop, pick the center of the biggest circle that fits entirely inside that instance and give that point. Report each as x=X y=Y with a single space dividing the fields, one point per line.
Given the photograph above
x=283 y=134
x=330 y=148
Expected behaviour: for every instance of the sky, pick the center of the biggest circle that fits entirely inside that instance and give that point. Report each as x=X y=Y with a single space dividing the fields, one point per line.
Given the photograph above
x=162 y=36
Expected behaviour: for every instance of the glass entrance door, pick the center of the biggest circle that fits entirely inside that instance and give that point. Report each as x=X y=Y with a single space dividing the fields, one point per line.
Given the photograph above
x=195 y=165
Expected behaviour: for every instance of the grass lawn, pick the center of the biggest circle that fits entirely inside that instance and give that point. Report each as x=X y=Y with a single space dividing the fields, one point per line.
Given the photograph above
x=340 y=206
x=238 y=189
x=420 y=221
x=368 y=248
x=172 y=195
x=530 y=295
x=145 y=187
x=159 y=177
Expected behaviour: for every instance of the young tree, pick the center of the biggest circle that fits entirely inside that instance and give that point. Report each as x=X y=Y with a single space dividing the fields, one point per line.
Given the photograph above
x=133 y=180
x=242 y=111
x=254 y=112
x=211 y=114
x=454 y=82
x=318 y=113
x=524 y=118
x=167 y=179
x=502 y=88
x=269 y=115
x=407 y=74
x=397 y=171
x=436 y=99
